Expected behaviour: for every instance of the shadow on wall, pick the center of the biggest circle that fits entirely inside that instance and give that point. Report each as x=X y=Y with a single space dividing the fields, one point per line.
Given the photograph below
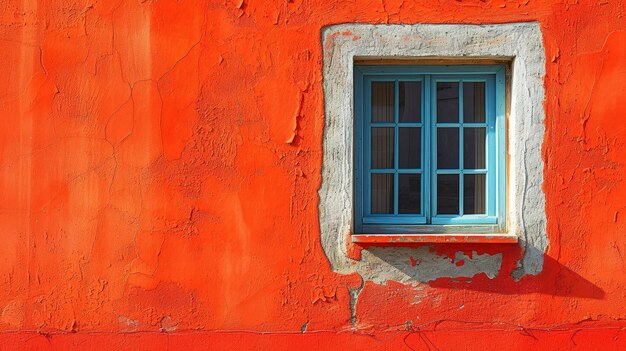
x=487 y=268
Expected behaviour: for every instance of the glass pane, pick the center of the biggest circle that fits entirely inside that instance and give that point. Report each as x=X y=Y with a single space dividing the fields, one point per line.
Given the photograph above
x=447 y=194
x=410 y=148
x=410 y=101
x=382 y=147
x=474 y=148
x=382 y=193
x=473 y=102
x=447 y=102
x=383 y=101
x=409 y=193
x=447 y=148
x=474 y=194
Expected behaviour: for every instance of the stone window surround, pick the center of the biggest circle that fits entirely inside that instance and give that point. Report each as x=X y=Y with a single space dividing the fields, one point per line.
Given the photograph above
x=519 y=42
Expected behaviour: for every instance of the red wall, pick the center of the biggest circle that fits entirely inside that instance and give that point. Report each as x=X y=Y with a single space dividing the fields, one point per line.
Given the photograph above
x=160 y=162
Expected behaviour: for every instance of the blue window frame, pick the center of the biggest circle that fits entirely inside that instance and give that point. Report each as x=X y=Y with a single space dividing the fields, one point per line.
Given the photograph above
x=429 y=149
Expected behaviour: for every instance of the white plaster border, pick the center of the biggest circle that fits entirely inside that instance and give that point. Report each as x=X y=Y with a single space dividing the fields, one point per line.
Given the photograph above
x=521 y=42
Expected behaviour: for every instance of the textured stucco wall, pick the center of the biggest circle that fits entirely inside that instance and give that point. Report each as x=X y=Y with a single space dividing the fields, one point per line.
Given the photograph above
x=160 y=163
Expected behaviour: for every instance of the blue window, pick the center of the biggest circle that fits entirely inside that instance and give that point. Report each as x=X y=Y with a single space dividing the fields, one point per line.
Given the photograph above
x=429 y=149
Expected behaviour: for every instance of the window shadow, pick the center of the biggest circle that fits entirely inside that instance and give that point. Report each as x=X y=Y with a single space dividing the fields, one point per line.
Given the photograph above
x=480 y=268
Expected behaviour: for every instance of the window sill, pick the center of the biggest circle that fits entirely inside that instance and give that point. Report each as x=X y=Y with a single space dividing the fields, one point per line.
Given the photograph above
x=407 y=239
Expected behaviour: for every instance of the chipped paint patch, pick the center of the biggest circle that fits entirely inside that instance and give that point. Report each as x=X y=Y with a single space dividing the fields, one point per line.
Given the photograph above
x=390 y=263
x=127 y=325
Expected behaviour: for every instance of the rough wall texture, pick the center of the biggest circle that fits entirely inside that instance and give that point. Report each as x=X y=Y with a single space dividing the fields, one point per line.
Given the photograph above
x=160 y=164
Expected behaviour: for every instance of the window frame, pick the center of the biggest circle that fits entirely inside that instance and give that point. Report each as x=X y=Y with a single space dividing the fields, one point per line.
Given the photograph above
x=495 y=219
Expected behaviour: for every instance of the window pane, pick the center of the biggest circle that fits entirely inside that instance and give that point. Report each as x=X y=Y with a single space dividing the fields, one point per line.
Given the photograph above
x=382 y=147
x=447 y=102
x=447 y=148
x=410 y=101
x=409 y=193
x=474 y=148
x=382 y=193
x=383 y=101
x=447 y=194
x=473 y=102
x=474 y=194
x=410 y=148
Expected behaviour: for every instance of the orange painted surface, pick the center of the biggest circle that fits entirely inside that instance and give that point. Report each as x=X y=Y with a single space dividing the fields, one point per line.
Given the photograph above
x=160 y=162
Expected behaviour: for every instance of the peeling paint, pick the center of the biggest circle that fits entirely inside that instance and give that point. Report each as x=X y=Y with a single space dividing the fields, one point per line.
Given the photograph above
x=386 y=263
x=128 y=325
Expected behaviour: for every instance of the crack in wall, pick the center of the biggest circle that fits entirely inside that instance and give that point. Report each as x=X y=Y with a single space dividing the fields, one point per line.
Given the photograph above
x=354 y=296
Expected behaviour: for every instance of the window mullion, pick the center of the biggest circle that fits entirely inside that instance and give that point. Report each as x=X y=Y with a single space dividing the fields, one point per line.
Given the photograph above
x=426 y=145
x=461 y=149
x=432 y=146
x=396 y=146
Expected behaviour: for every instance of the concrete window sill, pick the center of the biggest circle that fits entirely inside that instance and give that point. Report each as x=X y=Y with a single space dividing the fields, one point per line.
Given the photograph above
x=407 y=239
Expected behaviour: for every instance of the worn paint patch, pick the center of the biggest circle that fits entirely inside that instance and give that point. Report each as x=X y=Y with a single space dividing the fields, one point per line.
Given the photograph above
x=382 y=263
